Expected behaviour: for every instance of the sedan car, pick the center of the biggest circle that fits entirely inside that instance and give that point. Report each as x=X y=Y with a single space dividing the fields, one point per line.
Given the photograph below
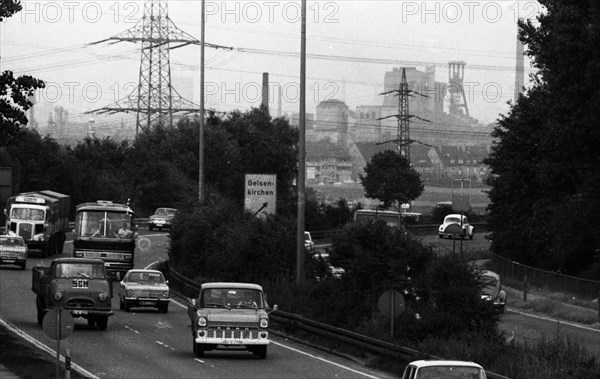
x=492 y=290
x=449 y=227
x=162 y=218
x=13 y=250
x=144 y=288
x=426 y=369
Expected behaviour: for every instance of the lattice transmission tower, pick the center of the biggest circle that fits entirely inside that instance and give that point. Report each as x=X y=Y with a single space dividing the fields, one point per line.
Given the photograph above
x=403 y=140
x=155 y=100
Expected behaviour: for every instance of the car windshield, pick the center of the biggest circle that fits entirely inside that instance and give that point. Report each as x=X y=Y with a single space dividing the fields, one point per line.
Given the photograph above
x=80 y=270
x=453 y=219
x=12 y=241
x=238 y=298
x=102 y=224
x=145 y=277
x=164 y=212
x=450 y=372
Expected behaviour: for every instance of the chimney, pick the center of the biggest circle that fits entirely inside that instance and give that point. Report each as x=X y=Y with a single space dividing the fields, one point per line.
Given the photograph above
x=519 y=67
x=265 y=90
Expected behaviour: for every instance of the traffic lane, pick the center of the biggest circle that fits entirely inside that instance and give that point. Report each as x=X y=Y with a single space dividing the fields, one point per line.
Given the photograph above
x=531 y=329
x=132 y=343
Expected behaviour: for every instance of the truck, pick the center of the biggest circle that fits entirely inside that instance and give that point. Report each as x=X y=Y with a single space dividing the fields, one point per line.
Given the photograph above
x=105 y=230
x=78 y=285
x=230 y=315
x=41 y=218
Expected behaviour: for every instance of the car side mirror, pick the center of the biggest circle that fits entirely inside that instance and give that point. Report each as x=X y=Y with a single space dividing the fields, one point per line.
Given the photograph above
x=193 y=302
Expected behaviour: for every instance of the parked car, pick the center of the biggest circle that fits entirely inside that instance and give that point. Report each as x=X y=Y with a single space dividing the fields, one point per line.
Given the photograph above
x=162 y=218
x=13 y=250
x=427 y=369
x=308 y=242
x=448 y=227
x=144 y=288
x=492 y=290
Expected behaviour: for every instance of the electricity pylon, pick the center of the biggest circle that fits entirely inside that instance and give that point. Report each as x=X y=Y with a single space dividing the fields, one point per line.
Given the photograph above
x=155 y=100
x=403 y=140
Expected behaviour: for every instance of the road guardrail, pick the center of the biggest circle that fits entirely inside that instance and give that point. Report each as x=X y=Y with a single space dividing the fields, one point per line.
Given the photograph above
x=291 y=321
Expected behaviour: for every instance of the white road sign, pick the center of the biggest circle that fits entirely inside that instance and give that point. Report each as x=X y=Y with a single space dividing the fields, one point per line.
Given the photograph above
x=260 y=193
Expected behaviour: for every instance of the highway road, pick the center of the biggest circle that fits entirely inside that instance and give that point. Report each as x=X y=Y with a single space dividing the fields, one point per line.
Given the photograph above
x=148 y=344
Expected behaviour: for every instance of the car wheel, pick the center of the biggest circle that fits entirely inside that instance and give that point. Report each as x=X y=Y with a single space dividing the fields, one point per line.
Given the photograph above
x=163 y=308
x=198 y=350
x=471 y=237
x=121 y=304
x=261 y=351
x=150 y=228
x=441 y=236
x=91 y=321
x=102 y=322
x=126 y=306
x=22 y=266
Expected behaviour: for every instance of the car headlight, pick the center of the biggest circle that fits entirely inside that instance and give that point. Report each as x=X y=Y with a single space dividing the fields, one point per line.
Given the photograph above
x=129 y=293
x=127 y=257
x=486 y=297
x=103 y=296
x=58 y=296
x=165 y=294
x=264 y=323
x=202 y=321
x=78 y=254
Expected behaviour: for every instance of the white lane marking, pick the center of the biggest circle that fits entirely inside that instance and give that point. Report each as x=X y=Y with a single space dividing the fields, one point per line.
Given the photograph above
x=45 y=348
x=165 y=345
x=553 y=319
x=325 y=360
x=302 y=352
x=130 y=328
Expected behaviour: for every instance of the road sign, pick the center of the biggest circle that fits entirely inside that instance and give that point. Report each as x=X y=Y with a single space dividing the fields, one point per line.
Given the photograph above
x=260 y=194
x=461 y=203
x=391 y=303
x=58 y=324
x=453 y=229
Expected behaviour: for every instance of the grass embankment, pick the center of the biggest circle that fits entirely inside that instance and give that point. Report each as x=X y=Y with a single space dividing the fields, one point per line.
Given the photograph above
x=27 y=361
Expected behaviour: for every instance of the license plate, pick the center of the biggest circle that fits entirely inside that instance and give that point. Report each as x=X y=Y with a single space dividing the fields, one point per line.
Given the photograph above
x=9 y=260
x=146 y=302
x=79 y=312
x=231 y=341
x=80 y=283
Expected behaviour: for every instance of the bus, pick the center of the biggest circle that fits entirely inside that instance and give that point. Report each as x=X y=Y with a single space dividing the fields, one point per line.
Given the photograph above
x=391 y=218
x=106 y=230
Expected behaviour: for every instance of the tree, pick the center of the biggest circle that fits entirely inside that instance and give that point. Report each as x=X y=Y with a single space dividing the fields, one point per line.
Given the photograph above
x=14 y=92
x=389 y=178
x=544 y=163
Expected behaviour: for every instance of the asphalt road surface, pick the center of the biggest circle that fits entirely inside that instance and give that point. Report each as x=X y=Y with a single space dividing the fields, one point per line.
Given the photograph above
x=148 y=344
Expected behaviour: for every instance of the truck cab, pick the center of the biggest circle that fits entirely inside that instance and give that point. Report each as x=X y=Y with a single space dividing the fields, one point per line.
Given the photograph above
x=106 y=230
x=78 y=285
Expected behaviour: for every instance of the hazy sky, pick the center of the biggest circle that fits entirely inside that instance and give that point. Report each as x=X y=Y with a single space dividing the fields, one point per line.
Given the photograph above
x=351 y=44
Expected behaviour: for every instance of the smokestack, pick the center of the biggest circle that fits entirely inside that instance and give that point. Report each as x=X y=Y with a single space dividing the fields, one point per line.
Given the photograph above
x=265 y=90
x=279 y=104
x=519 y=67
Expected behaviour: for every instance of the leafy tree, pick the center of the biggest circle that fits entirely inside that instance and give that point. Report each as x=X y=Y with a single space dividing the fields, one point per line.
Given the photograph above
x=14 y=92
x=389 y=178
x=544 y=163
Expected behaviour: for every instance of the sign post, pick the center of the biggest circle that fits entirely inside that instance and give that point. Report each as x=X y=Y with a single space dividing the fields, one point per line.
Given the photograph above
x=260 y=194
x=58 y=326
x=391 y=304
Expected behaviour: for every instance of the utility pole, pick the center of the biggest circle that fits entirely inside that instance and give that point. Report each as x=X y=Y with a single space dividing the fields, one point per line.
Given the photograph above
x=403 y=140
x=301 y=153
x=201 y=126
